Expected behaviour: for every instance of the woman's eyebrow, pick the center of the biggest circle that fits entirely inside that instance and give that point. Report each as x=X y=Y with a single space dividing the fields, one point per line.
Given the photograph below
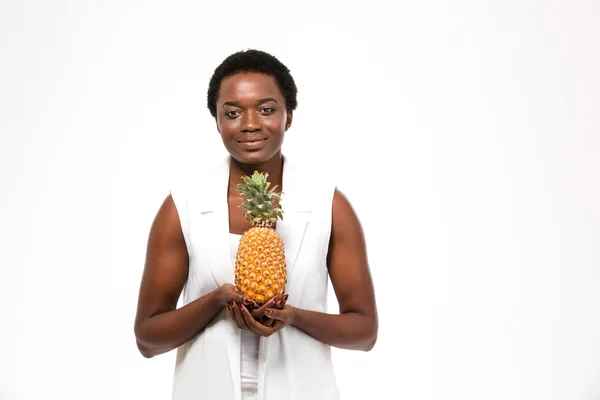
x=266 y=99
x=259 y=101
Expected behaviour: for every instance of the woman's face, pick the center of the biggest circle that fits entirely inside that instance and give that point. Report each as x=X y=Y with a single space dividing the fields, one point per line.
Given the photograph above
x=251 y=117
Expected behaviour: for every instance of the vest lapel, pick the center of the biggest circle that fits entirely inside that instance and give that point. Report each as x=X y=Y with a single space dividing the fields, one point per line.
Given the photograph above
x=296 y=213
x=214 y=223
x=215 y=219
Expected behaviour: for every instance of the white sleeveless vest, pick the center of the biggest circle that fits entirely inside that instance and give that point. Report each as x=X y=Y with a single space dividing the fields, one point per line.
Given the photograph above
x=292 y=365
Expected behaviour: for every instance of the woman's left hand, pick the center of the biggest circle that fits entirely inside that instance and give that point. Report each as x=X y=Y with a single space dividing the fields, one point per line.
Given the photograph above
x=277 y=318
x=253 y=319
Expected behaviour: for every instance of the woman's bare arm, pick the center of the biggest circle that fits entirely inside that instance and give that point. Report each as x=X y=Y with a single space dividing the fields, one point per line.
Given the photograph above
x=159 y=326
x=356 y=325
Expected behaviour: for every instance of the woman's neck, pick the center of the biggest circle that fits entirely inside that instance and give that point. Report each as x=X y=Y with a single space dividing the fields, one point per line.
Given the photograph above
x=273 y=167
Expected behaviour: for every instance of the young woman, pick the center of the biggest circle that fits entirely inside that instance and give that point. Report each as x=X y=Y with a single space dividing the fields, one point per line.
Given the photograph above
x=225 y=350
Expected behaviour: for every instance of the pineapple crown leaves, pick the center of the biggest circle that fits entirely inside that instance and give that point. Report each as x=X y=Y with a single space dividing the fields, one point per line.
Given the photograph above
x=258 y=200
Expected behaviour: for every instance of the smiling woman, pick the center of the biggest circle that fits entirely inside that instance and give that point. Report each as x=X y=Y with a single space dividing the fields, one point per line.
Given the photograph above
x=228 y=347
x=252 y=118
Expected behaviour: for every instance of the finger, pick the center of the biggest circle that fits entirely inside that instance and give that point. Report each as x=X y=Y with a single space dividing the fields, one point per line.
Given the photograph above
x=267 y=321
x=277 y=325
x=276 y=314
x=259 y=312
x=231 y=315
x=246 y=301
x=255 y=325
x=281 y=302
x=238 y=316
x=234 y=319
x=240 y=299
x=247 y=316
x=234 y=294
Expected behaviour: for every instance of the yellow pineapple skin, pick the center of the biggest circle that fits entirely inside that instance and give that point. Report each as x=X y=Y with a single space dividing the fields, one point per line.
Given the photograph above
x=260 y=269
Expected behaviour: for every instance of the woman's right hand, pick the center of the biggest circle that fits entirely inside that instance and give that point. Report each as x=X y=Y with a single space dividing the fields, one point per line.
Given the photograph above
x=227 y=294
x=257 y=320
x=230 y=299
x=234 y=302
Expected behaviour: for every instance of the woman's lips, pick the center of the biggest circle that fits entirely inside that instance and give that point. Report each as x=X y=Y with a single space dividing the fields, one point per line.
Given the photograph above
x=252 y=144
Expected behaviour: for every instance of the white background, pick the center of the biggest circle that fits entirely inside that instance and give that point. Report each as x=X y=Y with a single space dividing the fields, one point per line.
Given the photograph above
x=465 y=133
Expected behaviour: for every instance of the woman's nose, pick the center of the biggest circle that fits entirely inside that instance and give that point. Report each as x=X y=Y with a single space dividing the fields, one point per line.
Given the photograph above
x=250 y=122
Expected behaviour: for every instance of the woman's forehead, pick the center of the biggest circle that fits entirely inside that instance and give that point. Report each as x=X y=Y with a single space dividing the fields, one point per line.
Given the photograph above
x=248 y=85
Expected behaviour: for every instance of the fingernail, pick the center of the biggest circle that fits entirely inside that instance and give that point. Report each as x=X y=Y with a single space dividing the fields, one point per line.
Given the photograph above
x=268 y=312
x=228 y=308
x=246 y=300
x=280 y=303
x=285 y=297
x=231 y=303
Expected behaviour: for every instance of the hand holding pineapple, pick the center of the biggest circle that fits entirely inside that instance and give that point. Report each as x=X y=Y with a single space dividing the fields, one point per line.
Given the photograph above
x=260 y=269
x=262 y=320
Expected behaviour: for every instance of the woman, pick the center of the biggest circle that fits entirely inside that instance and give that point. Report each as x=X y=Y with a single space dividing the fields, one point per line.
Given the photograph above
x=282 y=349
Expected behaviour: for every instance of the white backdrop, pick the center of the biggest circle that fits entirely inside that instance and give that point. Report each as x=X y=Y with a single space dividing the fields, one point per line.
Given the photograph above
x=465 y=133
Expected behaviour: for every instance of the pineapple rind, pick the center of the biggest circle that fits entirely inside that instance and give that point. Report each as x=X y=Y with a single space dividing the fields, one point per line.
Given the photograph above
x=260 y=268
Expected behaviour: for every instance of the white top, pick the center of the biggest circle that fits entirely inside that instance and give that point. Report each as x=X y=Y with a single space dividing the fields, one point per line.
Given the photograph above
x=250 y=340
x=291 y=364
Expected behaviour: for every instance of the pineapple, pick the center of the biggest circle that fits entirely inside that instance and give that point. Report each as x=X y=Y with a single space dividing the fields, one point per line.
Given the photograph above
x=260 y=270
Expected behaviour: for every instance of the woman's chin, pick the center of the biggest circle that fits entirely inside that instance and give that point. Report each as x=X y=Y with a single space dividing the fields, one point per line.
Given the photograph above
x=254 y=157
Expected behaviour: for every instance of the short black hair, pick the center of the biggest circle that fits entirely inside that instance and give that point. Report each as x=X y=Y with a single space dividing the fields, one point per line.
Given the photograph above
x=253 y=61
